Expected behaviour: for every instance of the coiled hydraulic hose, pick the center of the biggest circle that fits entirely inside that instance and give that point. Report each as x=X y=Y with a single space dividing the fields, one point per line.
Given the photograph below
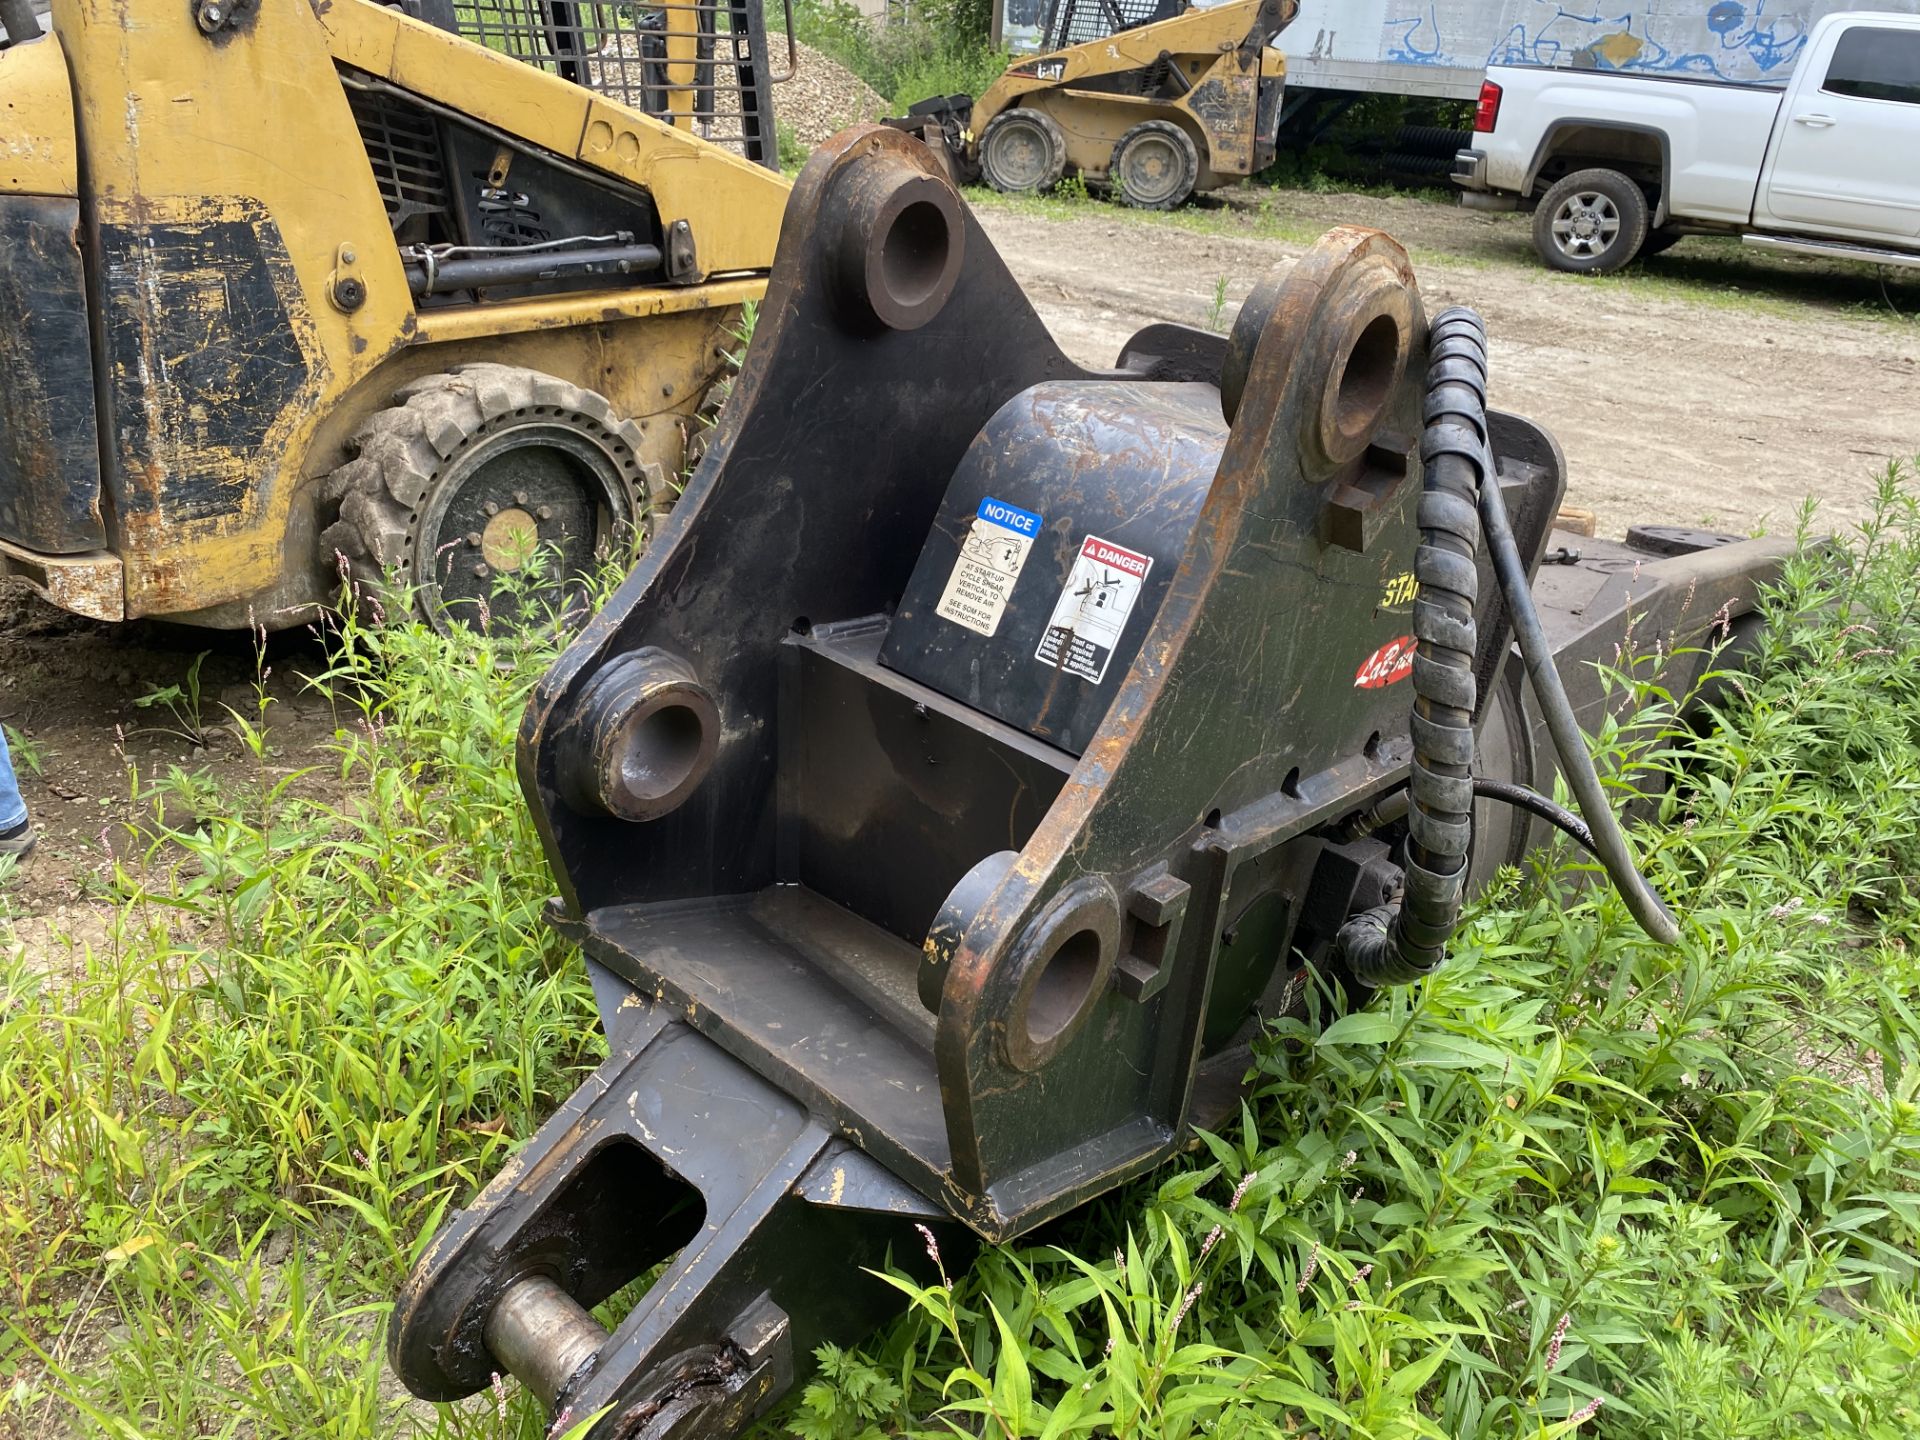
x=1459 y=498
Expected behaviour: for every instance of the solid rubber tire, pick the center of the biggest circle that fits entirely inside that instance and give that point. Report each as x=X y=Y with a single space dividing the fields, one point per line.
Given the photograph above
x=995 y=135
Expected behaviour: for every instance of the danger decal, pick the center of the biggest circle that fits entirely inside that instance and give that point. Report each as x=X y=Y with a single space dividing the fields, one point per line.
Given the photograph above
x=1393 y=661
x=991 y=558
x=1093 y=608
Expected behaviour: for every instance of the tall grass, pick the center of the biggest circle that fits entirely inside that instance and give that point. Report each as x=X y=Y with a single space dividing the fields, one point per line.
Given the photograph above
x=936 y=50
x=1572 y=1183
x=326 y=1007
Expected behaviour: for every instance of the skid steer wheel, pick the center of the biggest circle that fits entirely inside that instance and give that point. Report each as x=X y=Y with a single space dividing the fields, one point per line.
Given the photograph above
x=1023 y=151
x=1591 y=223
x=1155 y=165
x=479 y=475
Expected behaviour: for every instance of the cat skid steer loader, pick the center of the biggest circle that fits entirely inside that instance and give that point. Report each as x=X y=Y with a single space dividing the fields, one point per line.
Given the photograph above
x=1149 y=98
x=412 y=293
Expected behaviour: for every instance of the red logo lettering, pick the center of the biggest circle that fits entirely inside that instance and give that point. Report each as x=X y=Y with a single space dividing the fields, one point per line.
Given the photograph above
x=1392 y=661
x=1100 y=551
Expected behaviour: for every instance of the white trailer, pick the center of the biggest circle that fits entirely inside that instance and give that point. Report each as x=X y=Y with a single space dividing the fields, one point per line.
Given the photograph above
x=1440 y=49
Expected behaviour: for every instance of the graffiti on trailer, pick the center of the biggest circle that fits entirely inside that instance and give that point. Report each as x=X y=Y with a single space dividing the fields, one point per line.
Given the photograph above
x=1738 y=40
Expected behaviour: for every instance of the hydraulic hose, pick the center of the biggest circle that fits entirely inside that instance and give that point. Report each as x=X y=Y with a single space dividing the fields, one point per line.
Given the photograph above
x=19 y=21
x=1460 y=496
x=1456 y=467
x=1609 y=840
x=1392 y=806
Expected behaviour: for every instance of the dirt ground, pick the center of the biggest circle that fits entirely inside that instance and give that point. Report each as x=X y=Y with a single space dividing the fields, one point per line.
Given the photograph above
x=1678 y=400
x=69 y=692
x=1709 y=386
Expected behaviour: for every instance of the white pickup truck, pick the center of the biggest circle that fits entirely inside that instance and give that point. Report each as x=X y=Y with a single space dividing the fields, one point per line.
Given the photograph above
x=1617 y=164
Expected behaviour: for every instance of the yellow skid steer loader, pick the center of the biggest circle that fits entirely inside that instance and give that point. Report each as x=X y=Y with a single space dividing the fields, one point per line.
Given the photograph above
x=1135 y=95
x=412 y=292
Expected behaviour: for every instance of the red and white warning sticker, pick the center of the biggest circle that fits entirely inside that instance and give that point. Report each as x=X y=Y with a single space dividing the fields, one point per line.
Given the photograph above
x=1392 y=661
x=1093 y=608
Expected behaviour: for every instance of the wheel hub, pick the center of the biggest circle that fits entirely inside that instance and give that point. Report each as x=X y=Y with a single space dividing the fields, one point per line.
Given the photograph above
x=1586 y=224
x=1024 y=155
x=536 y=502
x=510 y=539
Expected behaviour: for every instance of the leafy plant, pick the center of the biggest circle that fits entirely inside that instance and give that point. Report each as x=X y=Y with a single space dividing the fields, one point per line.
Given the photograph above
x=28 y=755
x=1572 y=1184
x=182 y=704
x=1217 y=310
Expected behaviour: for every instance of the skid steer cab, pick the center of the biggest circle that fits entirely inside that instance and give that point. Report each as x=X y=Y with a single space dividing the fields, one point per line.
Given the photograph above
x=983 y=748
x=421 y=296
x=1148 y=98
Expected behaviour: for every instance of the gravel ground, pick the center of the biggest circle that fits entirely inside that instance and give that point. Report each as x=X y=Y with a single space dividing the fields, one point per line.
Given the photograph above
x=1708 y=386
x=822 y=97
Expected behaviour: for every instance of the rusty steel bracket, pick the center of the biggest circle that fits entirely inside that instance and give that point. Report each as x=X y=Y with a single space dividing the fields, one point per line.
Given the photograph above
x=346 y=287
x=672 y=1154
x=979 y=752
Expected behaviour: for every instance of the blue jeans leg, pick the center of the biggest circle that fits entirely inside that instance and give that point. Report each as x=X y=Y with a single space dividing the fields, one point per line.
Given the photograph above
x=12 y=808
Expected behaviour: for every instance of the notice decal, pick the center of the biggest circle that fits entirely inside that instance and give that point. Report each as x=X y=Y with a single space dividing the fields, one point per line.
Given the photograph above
x=1093 y=608
x=1393 y=661
x=990 y=561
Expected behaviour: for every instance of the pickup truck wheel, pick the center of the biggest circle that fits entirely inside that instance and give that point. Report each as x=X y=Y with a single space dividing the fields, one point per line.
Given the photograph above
x=1591 y=223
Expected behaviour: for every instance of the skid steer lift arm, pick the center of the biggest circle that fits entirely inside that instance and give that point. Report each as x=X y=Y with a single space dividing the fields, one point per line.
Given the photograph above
x=983 y=747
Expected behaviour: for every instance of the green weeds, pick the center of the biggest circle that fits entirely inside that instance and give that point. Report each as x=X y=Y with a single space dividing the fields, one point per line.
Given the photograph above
x=1573 y=1183
x=940 y=48
x=316 y=1022
x=182 y=704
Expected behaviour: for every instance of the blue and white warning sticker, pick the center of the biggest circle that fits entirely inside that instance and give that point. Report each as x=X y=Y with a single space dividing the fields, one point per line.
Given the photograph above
x=990 y=561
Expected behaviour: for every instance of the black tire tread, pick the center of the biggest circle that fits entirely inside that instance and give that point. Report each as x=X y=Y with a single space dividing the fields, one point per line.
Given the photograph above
x=399 y=452
x=1627 y=196
x=1046 y=124
x=1190 y=158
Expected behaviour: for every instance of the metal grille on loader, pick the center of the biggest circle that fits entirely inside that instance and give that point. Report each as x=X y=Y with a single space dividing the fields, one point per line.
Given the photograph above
x=698 y=64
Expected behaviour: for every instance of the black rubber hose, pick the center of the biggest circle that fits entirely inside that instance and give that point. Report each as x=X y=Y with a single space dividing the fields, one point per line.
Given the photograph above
x=1406 y=940
x=1394 y=943
x=1534 y=803
x=19 y=20
x=1609 y=841
x=1393 y=806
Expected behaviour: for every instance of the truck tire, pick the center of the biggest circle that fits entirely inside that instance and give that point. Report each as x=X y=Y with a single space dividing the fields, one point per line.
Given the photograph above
x=1658 y=242
x=1154 y=166
x=1590 y=223
x=467 y=479
x=1023 y=152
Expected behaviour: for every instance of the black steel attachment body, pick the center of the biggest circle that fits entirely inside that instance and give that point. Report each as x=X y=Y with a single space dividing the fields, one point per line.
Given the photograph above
x=949 y=789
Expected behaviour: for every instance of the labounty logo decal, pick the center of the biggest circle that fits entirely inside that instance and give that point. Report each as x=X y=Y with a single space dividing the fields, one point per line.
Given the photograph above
x=1392 y=661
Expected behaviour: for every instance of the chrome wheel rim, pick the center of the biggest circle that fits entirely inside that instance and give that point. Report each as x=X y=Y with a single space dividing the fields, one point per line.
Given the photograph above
x=1586 y=225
